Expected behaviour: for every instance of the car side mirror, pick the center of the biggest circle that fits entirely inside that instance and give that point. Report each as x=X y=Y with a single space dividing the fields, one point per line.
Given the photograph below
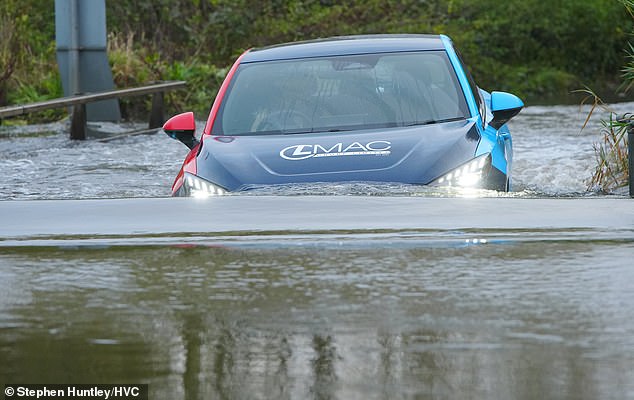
x=182 y=128
x=504 y=106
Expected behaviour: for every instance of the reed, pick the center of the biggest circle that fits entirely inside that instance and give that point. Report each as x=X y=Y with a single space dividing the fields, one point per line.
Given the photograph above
x=611 y=171
x=611 y=154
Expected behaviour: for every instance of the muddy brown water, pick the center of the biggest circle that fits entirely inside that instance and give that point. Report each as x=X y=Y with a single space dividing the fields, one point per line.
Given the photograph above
x=486 y=313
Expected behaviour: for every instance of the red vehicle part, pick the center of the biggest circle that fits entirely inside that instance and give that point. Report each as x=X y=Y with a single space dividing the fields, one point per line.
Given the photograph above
x=189 y=165
x=221 y=94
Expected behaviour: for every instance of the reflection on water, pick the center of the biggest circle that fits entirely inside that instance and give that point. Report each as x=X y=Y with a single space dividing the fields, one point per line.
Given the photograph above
x=391 y=315
x=512 y=319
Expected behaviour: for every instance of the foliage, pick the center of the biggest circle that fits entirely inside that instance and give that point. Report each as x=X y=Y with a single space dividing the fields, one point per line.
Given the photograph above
x=203 y=81
x=133 y=67
x=27 y=54
x=612 y=170
x=531 y=47
x=536 y=47
x=611 y=155
x=8 y=53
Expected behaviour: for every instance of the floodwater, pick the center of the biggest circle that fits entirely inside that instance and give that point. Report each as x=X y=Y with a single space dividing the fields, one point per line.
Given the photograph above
x=489 y=314
x=552 y=157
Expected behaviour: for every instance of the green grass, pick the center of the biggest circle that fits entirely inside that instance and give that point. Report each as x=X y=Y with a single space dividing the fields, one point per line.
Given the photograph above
x=611 y=154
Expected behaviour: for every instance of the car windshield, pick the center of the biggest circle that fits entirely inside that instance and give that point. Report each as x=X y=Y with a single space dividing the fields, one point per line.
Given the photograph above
x=343 y=93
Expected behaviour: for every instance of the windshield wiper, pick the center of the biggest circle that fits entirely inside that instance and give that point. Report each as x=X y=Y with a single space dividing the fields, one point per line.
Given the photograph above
x=336 y=130
x=318 y=130
x=434 y=121
x=298 y=132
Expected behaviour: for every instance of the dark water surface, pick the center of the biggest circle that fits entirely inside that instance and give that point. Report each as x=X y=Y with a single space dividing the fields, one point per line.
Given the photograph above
x=375 y=320
x=480 y=314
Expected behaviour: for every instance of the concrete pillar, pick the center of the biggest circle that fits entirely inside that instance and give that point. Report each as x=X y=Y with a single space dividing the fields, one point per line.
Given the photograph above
x=80 y=33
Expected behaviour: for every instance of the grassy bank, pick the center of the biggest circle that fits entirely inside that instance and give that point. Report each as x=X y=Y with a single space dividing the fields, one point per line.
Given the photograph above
x=612 y=170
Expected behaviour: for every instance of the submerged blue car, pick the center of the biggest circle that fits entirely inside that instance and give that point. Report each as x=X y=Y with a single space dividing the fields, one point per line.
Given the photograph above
x=377 y=108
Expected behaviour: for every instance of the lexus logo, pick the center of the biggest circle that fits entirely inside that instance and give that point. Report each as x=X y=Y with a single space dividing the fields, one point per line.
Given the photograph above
x=305 y=151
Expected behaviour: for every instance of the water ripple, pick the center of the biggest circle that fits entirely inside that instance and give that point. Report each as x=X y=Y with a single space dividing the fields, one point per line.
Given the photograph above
x=552 y=158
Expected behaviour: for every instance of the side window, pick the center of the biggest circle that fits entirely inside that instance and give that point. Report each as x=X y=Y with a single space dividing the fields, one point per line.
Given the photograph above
x=474 y=88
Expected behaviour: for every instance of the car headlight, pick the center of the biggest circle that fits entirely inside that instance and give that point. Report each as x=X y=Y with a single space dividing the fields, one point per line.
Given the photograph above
x=195 y=186
x=468 y=175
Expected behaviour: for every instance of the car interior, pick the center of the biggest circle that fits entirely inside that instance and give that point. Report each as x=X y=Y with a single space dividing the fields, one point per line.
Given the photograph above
x=342 y=93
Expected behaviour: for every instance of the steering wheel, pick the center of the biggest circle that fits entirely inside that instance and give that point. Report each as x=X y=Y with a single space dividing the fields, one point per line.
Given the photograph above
x=282 y=120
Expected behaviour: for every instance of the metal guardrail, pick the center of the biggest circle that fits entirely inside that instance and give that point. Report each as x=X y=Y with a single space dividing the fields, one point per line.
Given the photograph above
x=78 y=102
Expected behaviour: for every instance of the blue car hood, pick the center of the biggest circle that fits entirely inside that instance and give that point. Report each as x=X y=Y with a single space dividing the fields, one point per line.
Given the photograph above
x=416 y=155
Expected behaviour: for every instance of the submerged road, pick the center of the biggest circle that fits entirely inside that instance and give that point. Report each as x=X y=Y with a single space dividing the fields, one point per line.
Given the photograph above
x=252 y=214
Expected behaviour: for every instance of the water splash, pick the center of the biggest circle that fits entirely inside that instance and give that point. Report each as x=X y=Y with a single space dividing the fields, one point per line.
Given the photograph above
x=553 y=157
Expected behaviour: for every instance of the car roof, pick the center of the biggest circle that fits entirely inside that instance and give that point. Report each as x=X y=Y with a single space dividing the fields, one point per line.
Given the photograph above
x=345 y=45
